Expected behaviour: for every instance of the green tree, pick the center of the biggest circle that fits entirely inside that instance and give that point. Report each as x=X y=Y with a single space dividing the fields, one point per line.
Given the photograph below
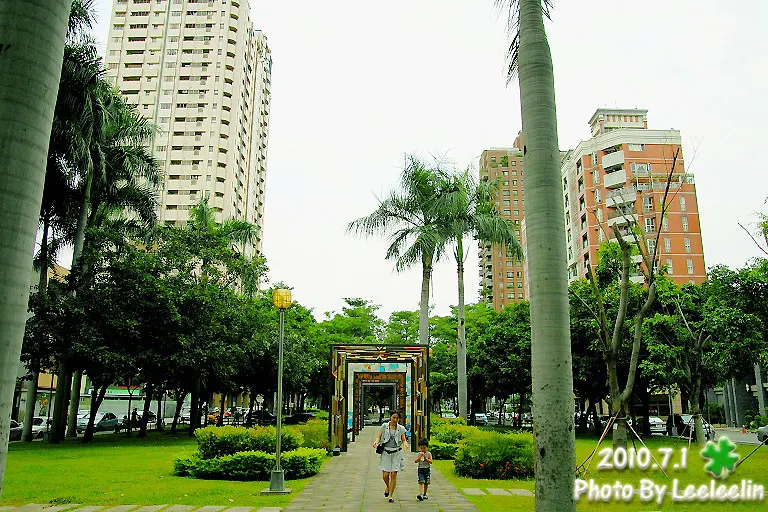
x=402 y=328
x=467 y=209
x=554 y=452
x=410 y=216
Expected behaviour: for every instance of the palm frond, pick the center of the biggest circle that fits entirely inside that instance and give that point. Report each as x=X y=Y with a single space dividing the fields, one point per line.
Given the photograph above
x=512 y=9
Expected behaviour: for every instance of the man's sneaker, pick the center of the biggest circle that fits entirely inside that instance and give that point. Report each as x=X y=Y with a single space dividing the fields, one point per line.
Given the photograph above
x=424 y=497
x=419 y=497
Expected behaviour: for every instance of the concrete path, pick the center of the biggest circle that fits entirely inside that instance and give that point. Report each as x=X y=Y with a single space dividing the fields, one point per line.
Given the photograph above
x=352 y=482
x=33 y=507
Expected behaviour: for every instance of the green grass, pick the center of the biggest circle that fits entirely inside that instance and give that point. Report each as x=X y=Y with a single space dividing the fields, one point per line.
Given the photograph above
x=115 y=470
x=755 y=469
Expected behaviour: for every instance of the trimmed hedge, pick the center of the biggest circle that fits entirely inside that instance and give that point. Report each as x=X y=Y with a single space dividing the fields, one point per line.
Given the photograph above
x=252 y=465
x=215 y=442
x=495 y=456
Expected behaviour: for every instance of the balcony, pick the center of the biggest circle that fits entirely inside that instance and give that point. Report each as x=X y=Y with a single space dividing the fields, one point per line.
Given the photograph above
x=619 y=217
x=613 y=159
x=624 y=195
x=615 y=179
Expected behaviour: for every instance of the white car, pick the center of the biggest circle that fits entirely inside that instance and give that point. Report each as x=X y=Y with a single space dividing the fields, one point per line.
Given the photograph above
x=762 y=434
x=709 y=430
x=39 y=426
x=658 y=425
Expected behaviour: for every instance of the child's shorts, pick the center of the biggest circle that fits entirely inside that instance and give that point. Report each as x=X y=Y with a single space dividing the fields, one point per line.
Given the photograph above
x=424 y=475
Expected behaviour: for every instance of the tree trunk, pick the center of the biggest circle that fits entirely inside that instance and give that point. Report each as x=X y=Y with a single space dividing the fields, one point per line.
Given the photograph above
x=74 y=403
x=251 y=403
x=194 y=413
x=42 y=288
x=145 y=412
x=177 y=413
x=159 y=423
x=97 y=395
x=61 y=403
x=551 y=371
x=426 y=275
x=461 y=347
x=32 y=37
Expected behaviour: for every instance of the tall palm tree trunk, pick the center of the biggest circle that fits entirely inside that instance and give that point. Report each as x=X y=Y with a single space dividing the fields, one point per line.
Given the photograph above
x=426 y=276
x=461 y=347
x=77 y=376
x=42 y=287
x=554 y=455
x=31 y=52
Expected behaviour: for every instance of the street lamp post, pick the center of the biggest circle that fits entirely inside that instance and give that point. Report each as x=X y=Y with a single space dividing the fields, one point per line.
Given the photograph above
x=281 y=298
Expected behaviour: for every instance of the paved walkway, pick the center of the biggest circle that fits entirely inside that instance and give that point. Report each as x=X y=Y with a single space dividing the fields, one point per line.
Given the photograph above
x=353 y=481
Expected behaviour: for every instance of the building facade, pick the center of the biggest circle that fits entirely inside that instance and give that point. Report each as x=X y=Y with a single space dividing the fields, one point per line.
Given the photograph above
x=201 y=72
x=617 y=179
x=502 y=277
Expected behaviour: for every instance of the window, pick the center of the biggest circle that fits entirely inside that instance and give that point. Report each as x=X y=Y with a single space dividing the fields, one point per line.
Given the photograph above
x=689 y=262
x=594 y=158
x=687 y=244
x=595 y=177
x=651 y=244
x=519 y=284
x=504 y=173
x=597 y=195
x=650 y=225
x=514 y=182
x=510 y=275
x=505 y=192
x=648 y=204
x=636 y=147
x=667 y=245
x=682 y=204
x=669 y=266
x=511 y=295
x=506 y=202
x=665 y=224
x=510 y=263
x=519 y=295
x=507 y=213
x=516 y=212
x=684 y=220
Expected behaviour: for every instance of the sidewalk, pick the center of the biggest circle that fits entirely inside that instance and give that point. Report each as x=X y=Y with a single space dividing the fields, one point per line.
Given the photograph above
x=353 y=481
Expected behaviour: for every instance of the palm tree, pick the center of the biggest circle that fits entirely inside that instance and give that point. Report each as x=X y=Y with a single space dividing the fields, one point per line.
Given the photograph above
x=554 y=455
x=411 y=216
x=32 y=35
x=467 y=208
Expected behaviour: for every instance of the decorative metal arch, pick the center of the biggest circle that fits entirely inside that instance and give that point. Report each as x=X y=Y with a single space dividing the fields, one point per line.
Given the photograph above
x=352 y=366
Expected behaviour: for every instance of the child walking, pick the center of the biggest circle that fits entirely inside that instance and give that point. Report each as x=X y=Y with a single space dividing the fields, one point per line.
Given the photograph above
x=423 y=459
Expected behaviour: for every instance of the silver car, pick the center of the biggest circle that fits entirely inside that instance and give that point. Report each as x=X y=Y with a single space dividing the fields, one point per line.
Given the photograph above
x=762 y=434
x=709 y=430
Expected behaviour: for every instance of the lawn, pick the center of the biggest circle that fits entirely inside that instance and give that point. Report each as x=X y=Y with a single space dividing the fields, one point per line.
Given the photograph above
x=115 y=470
x=755 y=469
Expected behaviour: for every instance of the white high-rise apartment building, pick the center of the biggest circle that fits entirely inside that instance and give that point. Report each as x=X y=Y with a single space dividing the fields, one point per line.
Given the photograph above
x=201 y=72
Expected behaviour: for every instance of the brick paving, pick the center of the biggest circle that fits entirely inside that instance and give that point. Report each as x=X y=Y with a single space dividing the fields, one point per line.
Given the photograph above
x=352 y=482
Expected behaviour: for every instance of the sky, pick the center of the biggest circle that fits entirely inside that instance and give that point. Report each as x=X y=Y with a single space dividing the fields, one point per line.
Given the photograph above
x=357 y=85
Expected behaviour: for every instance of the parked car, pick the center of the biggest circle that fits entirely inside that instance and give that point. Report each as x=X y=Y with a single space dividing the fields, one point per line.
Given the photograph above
x=448 y=415
x=481 y=418
x=39 y=426
x=185 y=415
x=102 y=421
x=709 y=431
x=658 y=425
x=151 y=416
x=16 y=429
x=762 y=434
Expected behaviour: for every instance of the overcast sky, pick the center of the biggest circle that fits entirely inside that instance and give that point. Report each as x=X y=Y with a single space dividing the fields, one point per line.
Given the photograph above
x=356 y=85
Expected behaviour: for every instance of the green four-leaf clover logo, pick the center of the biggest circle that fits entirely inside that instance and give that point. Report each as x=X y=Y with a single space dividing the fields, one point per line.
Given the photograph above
x=722 y=459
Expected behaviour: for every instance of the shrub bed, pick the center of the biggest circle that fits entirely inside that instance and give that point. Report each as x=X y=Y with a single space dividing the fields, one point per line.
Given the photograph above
x=215 y=442
x=495 y=456
x=314 y=433
x=251 y=465
x=443 y=451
